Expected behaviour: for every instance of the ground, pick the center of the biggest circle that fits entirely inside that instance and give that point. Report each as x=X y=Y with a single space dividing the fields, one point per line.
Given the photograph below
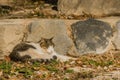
x=87 y=67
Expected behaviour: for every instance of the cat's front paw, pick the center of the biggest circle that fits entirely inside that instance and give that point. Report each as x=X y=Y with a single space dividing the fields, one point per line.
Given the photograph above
x=45 y=59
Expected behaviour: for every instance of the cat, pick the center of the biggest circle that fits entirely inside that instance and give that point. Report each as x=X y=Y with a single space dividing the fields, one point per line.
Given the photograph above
x=43 y=51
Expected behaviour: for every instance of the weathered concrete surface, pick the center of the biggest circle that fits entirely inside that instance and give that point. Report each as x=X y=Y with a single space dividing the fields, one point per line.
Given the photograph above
x=96 y=7
x=6 y=2
x=11 y=33
x=92 y=36
x=111 y=20
x=14 y=31
x=117 y=37
x=11 y=2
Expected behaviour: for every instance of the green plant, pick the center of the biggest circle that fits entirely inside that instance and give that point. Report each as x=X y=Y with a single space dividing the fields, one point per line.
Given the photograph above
x=51 y=68
x=93 y=62
x=69 y=71
x=54 y=62
x=6 y=67
x=66 y=79
x=86 y=74
x=100 y=63
x=36 y=64
x=27 y=72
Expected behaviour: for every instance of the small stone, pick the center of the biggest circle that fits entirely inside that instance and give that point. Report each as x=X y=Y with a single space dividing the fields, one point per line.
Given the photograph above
x=105 y=68
x=72 y=62
x=1 y=73
x=99 y=67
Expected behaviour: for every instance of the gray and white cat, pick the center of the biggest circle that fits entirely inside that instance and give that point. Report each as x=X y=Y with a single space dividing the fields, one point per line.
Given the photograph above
x=34 y=52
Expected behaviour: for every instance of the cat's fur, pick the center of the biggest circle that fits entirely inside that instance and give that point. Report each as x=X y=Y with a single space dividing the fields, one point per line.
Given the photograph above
x=34 y=51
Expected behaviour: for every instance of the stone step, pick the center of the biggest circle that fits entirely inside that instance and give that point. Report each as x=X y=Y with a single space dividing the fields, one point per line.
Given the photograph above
x=71 y=37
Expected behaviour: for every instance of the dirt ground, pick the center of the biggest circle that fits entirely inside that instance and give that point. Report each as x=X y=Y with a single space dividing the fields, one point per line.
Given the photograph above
x=87 y=67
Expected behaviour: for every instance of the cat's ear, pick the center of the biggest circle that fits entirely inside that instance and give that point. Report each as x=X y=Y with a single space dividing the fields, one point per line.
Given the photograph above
x=40 y=40
x=51 y=39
